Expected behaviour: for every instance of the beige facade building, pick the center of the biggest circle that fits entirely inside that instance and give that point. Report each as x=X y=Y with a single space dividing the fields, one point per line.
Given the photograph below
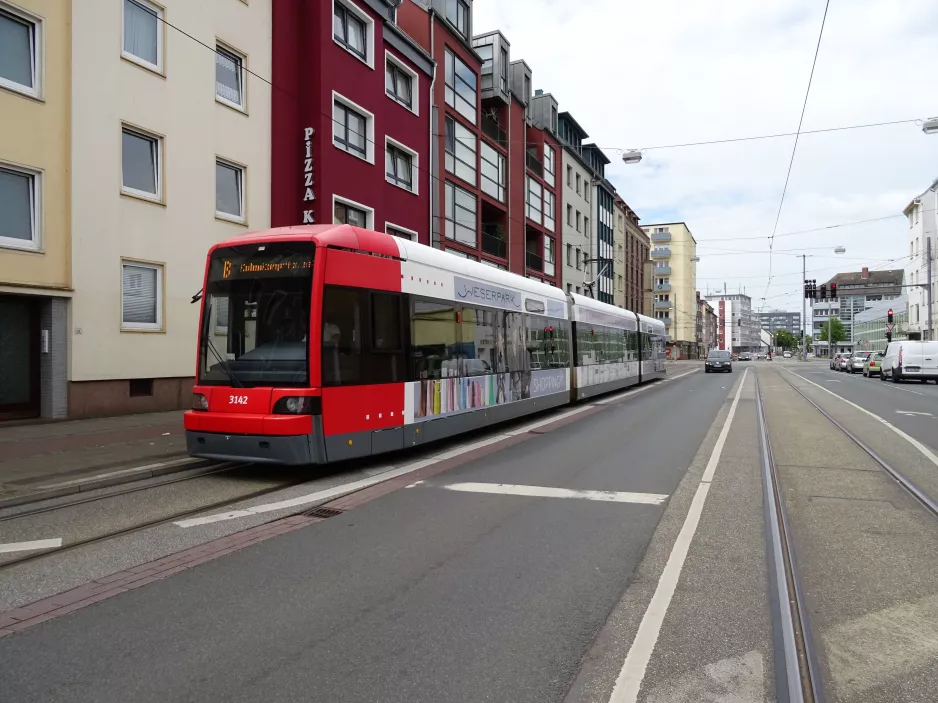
x=164 y=150
x=674 y=283
x=631 y=248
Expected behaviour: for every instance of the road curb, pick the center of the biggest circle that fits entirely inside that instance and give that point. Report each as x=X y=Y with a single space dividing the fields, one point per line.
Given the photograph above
x=105 y=480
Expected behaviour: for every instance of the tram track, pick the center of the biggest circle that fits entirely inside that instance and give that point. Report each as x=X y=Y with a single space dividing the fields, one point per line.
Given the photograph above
x=800 y=674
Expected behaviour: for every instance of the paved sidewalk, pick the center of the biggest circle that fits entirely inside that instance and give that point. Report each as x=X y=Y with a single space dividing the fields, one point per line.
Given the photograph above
x=35 y=457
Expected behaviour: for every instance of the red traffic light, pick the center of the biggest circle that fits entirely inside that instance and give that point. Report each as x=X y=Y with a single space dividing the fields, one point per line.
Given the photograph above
x=833 y=291
x=889 y=316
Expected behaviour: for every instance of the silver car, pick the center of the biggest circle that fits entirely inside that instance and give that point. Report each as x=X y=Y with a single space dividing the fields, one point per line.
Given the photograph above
x=857 y=361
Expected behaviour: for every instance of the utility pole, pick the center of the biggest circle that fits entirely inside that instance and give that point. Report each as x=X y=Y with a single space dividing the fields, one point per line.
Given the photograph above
x=804 y=306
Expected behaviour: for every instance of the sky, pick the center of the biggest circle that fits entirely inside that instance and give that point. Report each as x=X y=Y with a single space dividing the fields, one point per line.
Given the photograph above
x=637 y=75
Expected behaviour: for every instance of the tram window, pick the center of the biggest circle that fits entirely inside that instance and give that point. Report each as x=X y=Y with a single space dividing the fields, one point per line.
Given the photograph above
x=515 y=348
x=631 y=343
x=546 y=341
x=341 y=336
x=384 y=362
x=478 y=341
x=434 y=335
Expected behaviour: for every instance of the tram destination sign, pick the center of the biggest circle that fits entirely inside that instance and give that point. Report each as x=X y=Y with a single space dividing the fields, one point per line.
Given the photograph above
x=260 y=265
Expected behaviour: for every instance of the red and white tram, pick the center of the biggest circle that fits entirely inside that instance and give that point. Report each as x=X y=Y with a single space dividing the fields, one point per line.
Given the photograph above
x=326 y=342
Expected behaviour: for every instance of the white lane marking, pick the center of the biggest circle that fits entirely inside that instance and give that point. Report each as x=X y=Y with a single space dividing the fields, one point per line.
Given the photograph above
x=886 y=645
x=29 y=546
x=345 y=488
x=630 y=678
x=549 y=492
x=898 y=388
x=911 y=440
x=912 y=412
x=830 y=380
x=640 y=389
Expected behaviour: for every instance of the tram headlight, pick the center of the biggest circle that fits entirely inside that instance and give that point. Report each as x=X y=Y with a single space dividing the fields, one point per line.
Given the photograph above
x=199 y=402
x=298 y=405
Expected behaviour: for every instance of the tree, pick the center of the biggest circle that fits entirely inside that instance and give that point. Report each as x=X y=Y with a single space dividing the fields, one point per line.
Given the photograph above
x=837 y=332
x=809 y=340
x=785 y=339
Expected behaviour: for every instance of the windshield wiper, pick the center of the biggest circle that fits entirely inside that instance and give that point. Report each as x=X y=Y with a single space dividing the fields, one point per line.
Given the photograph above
x=223 y=364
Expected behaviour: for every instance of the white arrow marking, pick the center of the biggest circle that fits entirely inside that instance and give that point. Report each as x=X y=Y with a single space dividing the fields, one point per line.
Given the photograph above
x=29 y=546
x=912 y=412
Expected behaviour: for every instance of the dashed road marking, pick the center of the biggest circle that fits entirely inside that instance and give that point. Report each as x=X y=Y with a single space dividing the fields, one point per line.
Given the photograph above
x=550 y=492
x=30 y=546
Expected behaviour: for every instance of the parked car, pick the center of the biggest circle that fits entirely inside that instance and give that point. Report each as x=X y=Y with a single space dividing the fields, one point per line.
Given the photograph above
x=843 y=362
x=834 y=361
x=857 y=361
x=718 y=360
x=745 y=356
x=907 y=360
x=787 y=355
x=872 y=366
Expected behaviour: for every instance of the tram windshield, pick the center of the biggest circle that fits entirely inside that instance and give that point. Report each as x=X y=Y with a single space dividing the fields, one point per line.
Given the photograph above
x=255 y=323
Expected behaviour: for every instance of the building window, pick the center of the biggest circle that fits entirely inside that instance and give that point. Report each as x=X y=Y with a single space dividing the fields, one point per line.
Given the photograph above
x=229 y=78
x=586 y=190
x=578 y=261
x=399 y=83
x=578 y=184
x=229 y=191
x=504 y=70
x=460 y=151
x=400 y=232
x=346 y=212
x=493 y=172
x=578 y=221
x=460 y=215
x=549 y=166
x=569 y=175
x=352 y=129
x=586 y=224
x=569 y=255
x=400 y=164
x=549 y=255
x=349 y=30
x=143 y=35
x=549 y=210
x=621 y=283
x=570 y=215
x=460 y=87
x=20 y=205
x=140 y=164
x=535 y=200
x=21 y=39
x=141 y=296
x=457 y=12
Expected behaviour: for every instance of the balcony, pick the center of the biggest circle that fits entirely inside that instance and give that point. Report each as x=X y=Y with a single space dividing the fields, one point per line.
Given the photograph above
x=493 y=243
x=662 y=253
x=533 y=261
x=662 y=305
x=661 y=271
x=666 y=321
x=492 y=130
x=533 y=162
x=662 y=287
x=661 y=236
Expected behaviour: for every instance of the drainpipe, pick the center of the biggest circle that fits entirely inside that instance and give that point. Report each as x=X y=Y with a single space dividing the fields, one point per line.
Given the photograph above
x=508 y=186
x=430 y=153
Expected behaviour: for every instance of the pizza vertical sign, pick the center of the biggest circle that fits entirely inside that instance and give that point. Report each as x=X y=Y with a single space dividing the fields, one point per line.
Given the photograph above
x=308 y=196
x=722 y=322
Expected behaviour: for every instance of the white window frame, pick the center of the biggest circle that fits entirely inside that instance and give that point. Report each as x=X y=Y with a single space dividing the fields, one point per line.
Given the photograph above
x=447 y=218
x=144 y=326
x=414 y=165
x=414 y=107
x=369 y=211
x=501 y=166
x=242 y=187
x=222 y=47
x=455 y=104
x=369 y=128
x=450 y=157
x=350 y=6
x=550 y=176
x=159 y=11
x=142 y=194
x=35 y=206
x=549 y=221
x=527 y=200
x=36 y=51
x=414 y=236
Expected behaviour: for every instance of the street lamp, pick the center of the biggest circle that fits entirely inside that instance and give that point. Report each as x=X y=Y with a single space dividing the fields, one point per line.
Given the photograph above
x=633 y=156
x=930 y=126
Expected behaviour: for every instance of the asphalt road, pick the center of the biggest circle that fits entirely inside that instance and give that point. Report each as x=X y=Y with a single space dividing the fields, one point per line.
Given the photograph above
x=912 y=406
x=425 y=594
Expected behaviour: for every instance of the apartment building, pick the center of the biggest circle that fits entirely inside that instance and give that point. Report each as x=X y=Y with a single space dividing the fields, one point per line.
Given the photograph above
x=631 y=254
x=495 y=195
x=743 y=329
x=780 y=320
x=856 y=292
x=35 y=197
x=674 y=282
x=707 y=321
x=576 y=227
x=357 y=148
x=922 y=213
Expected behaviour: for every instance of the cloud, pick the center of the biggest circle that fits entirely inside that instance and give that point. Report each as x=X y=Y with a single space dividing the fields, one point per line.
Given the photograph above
x=639 y=75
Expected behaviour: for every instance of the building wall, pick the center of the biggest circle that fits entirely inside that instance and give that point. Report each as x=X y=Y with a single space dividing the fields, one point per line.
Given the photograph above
x=788 y=321
x=178 y=104
x=36 y=135
x=636 y=254
x=620 y=238
x=575 y=242
x=923 y=225
x=682 y=279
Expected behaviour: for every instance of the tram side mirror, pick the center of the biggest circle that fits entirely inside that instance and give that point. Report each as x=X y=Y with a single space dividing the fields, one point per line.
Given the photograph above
x=196 y=298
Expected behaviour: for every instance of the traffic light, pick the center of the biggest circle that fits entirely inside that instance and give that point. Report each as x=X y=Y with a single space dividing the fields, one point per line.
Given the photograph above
x=807 y=289
x=889 y=316
x=889 y=319
x=823 y=292
x=833 y=291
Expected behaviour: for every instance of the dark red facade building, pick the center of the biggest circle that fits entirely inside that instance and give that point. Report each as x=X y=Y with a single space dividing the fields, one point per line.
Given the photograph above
x=351 y=112
x=494 y=173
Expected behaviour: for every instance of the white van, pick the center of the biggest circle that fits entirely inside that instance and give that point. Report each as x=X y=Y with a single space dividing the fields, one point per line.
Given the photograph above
x=907 y=360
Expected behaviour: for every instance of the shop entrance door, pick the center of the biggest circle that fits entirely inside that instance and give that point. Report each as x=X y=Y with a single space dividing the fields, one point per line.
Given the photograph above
x=19 y=357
